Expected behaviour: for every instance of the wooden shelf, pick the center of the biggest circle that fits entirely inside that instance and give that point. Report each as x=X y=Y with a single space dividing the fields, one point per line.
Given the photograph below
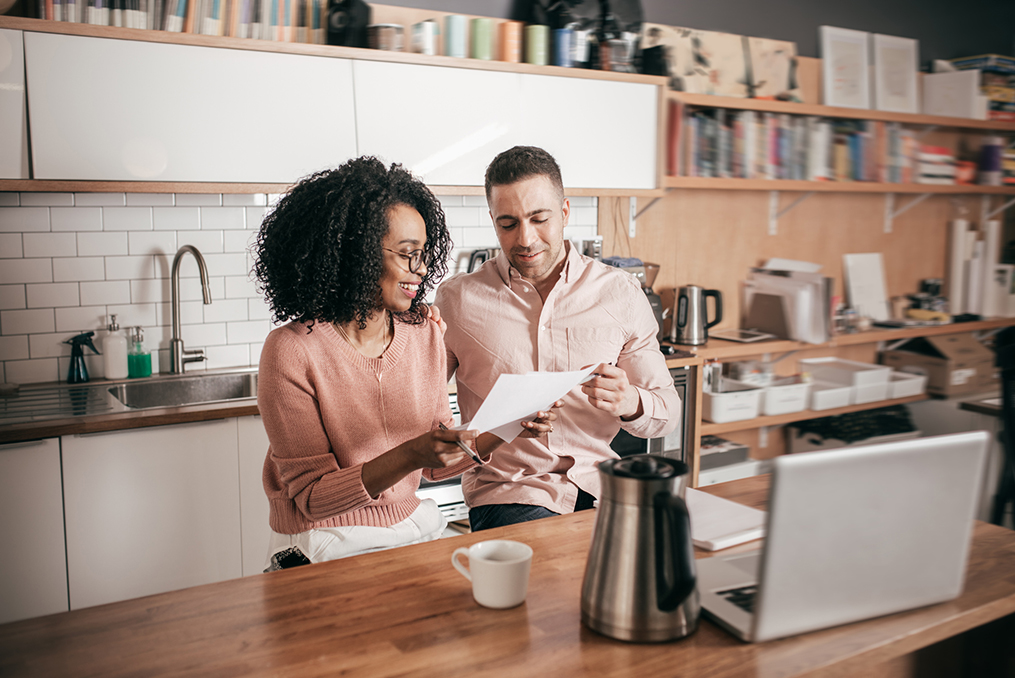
x=770 y=106
x=717 y=349
x=708 y=428
x=830 y=186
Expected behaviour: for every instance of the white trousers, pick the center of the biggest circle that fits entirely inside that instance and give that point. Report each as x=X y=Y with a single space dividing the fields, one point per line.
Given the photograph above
x=321 y=544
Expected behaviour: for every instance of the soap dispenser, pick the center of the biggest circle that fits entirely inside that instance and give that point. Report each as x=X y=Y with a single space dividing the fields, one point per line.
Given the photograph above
x=139 y=360
x=114 y=348
x=78 y=373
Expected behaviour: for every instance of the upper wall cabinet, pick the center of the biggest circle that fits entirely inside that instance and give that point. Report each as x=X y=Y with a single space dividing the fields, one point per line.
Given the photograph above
x=14 y=130
x=124 y=110
x=446 y=124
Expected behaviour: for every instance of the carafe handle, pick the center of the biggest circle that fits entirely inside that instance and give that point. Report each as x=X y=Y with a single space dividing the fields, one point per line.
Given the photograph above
x=675 y=574
x=717 y=295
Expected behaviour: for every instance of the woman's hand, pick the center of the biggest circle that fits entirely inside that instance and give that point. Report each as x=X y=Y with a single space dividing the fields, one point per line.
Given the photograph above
x=439 y=448
x=543 y=423
x=435 y=316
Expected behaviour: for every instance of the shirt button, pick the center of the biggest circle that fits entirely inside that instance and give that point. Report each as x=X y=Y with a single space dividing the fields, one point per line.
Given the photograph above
x=543 y=328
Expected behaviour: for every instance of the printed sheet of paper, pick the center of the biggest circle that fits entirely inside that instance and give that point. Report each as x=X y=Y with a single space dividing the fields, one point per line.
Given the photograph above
x=517 y=397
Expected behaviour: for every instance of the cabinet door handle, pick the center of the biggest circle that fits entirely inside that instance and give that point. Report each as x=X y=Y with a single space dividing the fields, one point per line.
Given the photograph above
x=24 y=443
x=143 y=428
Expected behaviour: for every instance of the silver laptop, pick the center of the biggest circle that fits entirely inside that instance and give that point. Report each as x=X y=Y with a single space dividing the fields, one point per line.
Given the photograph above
x=852 y=534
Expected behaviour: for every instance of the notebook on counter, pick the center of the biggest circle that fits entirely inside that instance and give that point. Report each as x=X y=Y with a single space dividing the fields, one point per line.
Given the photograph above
x=852 y=534
x=718 y=523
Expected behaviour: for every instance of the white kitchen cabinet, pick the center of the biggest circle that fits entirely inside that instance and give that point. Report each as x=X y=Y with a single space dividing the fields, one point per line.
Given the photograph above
x=14 y=130
x=446 y=124
x=33 y=571
x=255 y=533
x=151 y=510
x=127 y=110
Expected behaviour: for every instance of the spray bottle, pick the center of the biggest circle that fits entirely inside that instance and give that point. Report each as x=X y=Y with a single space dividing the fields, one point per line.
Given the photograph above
x=78 y=373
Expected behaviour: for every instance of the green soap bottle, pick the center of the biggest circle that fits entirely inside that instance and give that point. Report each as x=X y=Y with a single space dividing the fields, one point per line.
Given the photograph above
x=139 y=361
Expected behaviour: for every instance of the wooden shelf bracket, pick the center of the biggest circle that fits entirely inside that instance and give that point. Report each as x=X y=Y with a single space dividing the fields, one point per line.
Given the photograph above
x=987 y=212
x=891 y=212
x=774 y=212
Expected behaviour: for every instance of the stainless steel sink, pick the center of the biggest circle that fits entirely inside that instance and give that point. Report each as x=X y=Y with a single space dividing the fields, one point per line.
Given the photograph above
x=188 y=390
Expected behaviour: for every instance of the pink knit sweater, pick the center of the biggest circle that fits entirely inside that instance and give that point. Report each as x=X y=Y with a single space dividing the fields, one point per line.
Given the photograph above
x=327 y=410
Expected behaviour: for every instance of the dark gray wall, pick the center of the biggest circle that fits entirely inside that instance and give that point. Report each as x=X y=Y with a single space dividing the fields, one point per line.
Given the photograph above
x=945 y=28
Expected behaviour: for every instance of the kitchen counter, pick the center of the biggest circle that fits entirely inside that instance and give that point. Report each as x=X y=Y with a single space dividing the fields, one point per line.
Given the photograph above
x=407 y=612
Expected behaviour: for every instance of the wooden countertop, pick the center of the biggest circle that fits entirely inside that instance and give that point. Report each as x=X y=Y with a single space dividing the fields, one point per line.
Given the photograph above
x=407 y=612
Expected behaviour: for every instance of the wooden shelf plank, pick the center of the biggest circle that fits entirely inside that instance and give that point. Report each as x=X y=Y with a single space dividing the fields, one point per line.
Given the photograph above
x=718 y=349
x=708 y=428
x=830 y=186
x=770 y=106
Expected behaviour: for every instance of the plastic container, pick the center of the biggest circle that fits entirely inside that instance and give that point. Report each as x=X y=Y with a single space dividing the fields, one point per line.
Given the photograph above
x=784 y=396
x=869 y=381
x=826 y=395
x=736 y=402
x=139 y=360
x=114 y=352
x=905 y=384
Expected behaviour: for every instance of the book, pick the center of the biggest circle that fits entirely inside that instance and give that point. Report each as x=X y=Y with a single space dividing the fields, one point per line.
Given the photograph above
x=718 y=523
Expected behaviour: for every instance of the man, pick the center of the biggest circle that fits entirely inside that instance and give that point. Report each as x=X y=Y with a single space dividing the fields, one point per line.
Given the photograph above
x=541 y=306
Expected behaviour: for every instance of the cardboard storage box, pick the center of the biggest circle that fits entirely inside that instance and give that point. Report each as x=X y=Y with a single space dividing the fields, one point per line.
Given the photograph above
x=953 y=364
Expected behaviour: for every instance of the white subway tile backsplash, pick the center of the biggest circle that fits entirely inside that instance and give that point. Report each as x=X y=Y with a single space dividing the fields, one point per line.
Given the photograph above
x=52 y=295
x=466 y=216
x=80 y=318
x=100 y=199
x=254 y=217
x=244 y=200
x=475 y=201
x=223 y=218
x=227 y=264
x=133 y=314
x=240 y=287
x=447 y=201
x=8 y=199
x=584 y=201
x=190 y=288
x=191 y=313
x=258 y=309
x=24 y=219
x=584 y=216
x=150 y=199
x=50 y=245
x=227 y=356
x=104 y=244
x=26 y=271
x=78 y=268
x=52 y=346
x=177 y=218
x=480 y=237
x=208 y=334
x=198 y=199
x=238 y=241
x=12 y=297
x=207 y=242
x=153 y=291
x=248 y=332
x=32 y=371
x=154 y=242
x=47 y=199
x=76 y=218
x=10 y=246
x=130 y=268
x=14 y=347
x=28 y=321
x=110 y=292
x=255 y=353
x=127 y=219
x=226 y=310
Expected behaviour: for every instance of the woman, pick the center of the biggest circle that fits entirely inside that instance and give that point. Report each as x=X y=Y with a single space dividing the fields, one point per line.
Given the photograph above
x=353 y=391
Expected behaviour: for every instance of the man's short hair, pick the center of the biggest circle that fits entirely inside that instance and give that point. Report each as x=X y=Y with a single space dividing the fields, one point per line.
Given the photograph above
x=522 y=162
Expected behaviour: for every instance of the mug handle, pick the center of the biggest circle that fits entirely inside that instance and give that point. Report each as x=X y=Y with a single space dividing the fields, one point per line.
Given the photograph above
x=458 y=565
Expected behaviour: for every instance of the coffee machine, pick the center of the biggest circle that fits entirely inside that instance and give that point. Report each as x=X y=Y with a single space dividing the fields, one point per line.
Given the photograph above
x=651 y=271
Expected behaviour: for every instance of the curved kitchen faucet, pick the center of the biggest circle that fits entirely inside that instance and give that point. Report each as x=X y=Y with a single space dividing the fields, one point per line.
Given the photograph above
x=178 y=355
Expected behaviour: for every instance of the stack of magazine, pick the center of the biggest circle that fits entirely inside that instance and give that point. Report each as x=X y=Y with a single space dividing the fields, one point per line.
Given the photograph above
x=281 y=20
x=790 y=301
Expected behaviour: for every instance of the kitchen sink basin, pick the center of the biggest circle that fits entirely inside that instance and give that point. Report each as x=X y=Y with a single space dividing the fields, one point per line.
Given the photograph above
x=186 y=390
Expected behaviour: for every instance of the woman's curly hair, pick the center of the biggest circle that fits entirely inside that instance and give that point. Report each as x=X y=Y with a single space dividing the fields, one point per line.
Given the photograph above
x=318 y=254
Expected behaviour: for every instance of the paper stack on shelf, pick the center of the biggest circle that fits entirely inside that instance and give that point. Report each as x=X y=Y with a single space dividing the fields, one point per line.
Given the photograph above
x=974 y=285
x=935 y=165
x=792 y=301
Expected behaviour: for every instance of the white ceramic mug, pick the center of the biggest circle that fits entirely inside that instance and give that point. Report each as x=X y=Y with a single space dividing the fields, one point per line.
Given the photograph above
x=498 y=570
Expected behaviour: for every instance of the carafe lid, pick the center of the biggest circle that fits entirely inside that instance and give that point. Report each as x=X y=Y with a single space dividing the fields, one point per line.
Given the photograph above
x=645 y=467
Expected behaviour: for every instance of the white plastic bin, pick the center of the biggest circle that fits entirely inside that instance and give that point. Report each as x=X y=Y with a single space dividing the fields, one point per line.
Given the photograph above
x=905 y=384
x=736 y=402
x=826 y=395
x=784 y=396
x=869 y=381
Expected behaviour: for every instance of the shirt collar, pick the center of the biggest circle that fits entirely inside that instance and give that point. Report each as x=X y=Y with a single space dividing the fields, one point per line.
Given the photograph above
x=574 y=264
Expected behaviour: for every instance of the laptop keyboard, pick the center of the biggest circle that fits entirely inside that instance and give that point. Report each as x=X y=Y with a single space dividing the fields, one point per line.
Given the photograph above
x=742 y=597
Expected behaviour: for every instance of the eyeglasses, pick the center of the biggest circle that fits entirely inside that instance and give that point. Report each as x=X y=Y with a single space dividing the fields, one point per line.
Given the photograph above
x=415 y=258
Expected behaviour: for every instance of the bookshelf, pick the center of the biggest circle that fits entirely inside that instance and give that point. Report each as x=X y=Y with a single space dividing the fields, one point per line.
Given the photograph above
x=709 y=183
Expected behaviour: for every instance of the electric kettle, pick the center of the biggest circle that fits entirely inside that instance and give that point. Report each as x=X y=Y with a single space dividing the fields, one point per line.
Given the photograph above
x=690 y=315
x=640 y=582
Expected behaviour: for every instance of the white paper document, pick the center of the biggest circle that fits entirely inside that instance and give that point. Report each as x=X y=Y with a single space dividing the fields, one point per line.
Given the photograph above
x=515 y=398
x=718 y=523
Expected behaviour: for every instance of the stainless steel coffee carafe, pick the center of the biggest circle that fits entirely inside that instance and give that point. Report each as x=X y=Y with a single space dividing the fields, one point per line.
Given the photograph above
x=690 y=315
x=640 y=580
